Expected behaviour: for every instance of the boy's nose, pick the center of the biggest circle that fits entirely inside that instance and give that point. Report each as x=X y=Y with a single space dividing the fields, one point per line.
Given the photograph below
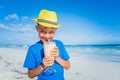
x=47 y=37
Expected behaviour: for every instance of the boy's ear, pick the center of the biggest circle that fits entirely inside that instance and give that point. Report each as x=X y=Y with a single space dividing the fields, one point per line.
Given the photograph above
x=37 y=29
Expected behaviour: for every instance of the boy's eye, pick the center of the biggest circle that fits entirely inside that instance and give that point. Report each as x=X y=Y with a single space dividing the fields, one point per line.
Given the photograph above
x=42 y=31
x=51 y=32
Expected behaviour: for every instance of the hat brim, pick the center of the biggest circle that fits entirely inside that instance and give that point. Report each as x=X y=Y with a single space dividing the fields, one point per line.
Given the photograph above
x=47 y=24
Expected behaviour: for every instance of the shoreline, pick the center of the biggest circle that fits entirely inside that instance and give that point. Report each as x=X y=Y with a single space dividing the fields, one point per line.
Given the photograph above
x=82 y=67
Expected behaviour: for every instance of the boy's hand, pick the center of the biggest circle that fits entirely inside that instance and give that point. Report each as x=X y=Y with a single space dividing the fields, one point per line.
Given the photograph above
x=47 y=61
x=54 y=52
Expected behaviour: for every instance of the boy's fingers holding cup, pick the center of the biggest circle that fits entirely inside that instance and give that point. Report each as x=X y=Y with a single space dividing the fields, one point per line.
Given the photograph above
x=54 y=51
x=48 y=61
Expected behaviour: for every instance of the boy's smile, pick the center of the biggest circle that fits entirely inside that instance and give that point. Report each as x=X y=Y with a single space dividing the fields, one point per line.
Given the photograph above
x=46 y=34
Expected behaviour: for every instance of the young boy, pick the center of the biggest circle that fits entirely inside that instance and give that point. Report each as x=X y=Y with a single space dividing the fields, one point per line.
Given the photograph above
x=35 y=60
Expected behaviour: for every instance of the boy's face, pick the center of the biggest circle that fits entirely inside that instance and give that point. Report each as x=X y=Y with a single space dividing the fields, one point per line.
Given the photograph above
x=46 y=34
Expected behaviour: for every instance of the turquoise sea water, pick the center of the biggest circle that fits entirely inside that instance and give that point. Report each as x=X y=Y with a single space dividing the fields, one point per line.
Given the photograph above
x=97 y=52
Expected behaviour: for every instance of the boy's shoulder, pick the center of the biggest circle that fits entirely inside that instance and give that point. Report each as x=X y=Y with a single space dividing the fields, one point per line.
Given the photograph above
x=57 y=41
x=36 y=45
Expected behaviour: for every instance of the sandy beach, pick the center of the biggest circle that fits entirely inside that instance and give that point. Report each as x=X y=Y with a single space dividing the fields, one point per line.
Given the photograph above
x=11 y=67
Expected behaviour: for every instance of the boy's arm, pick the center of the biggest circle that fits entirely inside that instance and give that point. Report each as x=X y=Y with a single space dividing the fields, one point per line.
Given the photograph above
x=34 y=72
x=47 y=61
x=64 y=63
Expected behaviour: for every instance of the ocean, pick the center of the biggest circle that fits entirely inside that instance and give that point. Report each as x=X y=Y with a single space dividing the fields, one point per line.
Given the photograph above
x=96 y=52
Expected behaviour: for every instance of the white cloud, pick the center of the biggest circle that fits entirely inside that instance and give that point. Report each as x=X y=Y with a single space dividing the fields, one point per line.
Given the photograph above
x=4 y=27
x=16 y=17
x=26 y=28
x=12 y=16
x=6 y=18
x=18 y=33
x=24 y=18
x=23 y=28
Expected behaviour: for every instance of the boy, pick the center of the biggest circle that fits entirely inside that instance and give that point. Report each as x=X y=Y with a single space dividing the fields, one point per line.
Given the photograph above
x=35 y=60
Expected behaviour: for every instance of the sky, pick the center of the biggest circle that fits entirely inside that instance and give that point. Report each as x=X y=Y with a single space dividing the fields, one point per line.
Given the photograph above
x=82 y=21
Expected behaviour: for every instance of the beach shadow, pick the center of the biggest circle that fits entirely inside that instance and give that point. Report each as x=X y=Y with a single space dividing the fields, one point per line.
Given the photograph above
x=18 y=71
x=1 y=58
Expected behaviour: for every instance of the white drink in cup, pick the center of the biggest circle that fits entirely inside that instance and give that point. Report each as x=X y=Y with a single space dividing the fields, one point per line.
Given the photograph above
x=48 y=46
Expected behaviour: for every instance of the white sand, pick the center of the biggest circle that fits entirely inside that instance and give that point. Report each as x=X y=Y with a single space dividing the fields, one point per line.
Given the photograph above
x=11 y=64
x=86 y=69
x=11 y=67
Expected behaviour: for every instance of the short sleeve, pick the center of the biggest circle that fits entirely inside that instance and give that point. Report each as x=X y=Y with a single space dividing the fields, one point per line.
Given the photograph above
x=29 y=60
x=62 y=51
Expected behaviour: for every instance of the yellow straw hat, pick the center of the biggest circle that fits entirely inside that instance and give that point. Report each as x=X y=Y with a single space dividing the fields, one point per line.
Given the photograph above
x=47 y=19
